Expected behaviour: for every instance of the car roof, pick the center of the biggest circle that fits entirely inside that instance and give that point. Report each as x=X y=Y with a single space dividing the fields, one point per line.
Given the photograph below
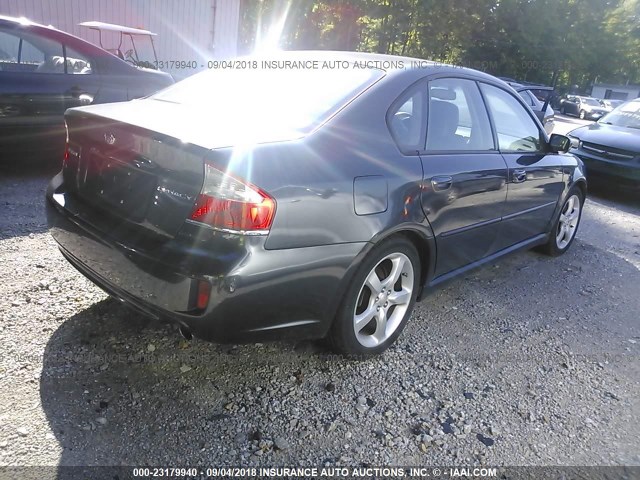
x=63 y=37
x=26 y=22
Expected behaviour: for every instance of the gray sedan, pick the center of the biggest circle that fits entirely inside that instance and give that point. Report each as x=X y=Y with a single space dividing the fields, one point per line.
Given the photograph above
x=322 y=204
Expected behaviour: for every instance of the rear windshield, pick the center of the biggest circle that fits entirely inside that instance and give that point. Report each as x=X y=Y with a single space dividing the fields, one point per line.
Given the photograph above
x=286 y=99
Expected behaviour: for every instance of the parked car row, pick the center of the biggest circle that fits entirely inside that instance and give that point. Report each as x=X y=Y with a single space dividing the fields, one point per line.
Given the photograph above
x=586 y=108
x=610 y=147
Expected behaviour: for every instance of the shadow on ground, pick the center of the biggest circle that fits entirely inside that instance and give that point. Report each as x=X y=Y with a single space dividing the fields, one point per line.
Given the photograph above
x=624 y=199
x=119 y=390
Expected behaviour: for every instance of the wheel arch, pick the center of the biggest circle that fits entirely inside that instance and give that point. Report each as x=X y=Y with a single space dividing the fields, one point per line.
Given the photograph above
x=420 y=235
x=581 y=183
x=577 y=180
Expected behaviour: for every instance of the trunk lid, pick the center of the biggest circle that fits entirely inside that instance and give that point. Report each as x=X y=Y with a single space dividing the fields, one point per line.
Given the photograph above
x=131 y=177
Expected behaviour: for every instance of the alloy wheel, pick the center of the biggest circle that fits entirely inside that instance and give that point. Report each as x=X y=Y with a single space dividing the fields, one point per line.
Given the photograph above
x=568 y=222
x=383 y=300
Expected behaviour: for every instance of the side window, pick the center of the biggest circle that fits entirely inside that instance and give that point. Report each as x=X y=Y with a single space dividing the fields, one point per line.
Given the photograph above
x=457 y=119
x=77 y=63
x=9 y=48
x=517 y=131
x=25 y=52
x=406 y=121
x=527 y=98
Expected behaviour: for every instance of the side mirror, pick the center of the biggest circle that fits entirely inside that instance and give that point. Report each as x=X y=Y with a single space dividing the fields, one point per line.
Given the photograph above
x=559 y=143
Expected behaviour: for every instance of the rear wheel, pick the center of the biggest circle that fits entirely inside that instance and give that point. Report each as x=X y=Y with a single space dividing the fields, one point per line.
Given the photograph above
x=379 y=300
x=566 y=225
x=583 y=114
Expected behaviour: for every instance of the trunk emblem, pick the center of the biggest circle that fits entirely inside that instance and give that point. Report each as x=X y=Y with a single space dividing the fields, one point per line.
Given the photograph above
x=173 y=193
x=109 y=138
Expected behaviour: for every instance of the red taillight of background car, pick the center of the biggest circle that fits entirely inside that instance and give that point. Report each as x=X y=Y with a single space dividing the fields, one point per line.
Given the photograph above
x=228 y=203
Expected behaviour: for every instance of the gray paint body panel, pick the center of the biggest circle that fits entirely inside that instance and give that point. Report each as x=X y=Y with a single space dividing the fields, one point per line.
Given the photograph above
x=318 y=239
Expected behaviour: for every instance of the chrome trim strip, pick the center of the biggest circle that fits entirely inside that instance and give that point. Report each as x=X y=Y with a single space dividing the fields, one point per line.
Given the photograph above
x=285 y=325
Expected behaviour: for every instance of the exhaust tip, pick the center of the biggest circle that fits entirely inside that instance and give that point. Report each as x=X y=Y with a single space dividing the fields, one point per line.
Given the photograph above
x=185 y=332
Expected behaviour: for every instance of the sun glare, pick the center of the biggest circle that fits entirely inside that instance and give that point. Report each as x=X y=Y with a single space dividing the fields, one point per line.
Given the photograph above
x=269 y=41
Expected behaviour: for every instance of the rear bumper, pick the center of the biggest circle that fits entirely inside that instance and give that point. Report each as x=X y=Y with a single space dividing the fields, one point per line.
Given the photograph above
x=256 y=293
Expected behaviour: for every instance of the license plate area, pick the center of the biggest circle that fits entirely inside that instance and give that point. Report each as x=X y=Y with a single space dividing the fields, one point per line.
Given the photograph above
x=115 y=184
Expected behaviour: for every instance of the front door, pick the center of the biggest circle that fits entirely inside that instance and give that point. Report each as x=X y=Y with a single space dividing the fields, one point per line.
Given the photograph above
x=535 y=178
x=464 y=187
x=82 y=82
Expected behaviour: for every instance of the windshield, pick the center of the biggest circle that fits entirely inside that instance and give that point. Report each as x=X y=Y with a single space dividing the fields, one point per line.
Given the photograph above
x=591 y=101
x=283 y=99
x=626 y=115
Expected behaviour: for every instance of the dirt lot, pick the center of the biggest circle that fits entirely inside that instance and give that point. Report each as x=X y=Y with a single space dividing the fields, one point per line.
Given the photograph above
x=533 y=361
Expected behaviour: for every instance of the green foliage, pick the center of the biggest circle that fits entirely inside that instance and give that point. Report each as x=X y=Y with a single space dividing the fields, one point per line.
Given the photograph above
x=581 y=40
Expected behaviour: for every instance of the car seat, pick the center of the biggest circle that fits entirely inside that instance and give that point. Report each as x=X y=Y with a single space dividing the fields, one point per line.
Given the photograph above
x=443 y=123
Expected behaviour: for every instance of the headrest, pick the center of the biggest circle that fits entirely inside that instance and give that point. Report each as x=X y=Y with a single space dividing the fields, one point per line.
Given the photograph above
x=441 y=93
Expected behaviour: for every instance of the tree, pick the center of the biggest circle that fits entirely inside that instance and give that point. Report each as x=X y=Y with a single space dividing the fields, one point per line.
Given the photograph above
x=582 y=40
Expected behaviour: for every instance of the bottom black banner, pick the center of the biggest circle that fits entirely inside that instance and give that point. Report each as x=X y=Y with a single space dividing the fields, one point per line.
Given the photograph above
x=336 y=472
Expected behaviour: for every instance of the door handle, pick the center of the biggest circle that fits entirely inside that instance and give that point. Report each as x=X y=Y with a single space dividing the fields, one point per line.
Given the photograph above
x=75 y=91
x=441 y=183
x=79 y=94
x=519 y=176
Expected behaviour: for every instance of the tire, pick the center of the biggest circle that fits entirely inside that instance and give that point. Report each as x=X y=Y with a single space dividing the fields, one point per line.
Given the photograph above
x=583 y=115
x=565 y=225
x=373 y=314
x=562 y=111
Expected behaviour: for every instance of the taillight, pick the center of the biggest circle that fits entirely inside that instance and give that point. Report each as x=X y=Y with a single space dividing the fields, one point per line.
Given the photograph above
x=204 y=291
x=226 y=203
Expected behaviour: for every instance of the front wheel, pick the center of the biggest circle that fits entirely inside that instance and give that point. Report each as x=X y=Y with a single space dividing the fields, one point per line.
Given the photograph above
x=583 y=114
x=379 y=300
x=566 y=225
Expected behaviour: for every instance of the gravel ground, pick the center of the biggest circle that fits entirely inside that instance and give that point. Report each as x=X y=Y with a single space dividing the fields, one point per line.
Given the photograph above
x=533 y=361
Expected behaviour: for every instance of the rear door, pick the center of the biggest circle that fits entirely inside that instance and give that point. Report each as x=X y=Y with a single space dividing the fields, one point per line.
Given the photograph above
x=31 y=89
x=464 y=187
x=535 y=178
x=82 y=81
x=40 y=78
x=570 y=105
